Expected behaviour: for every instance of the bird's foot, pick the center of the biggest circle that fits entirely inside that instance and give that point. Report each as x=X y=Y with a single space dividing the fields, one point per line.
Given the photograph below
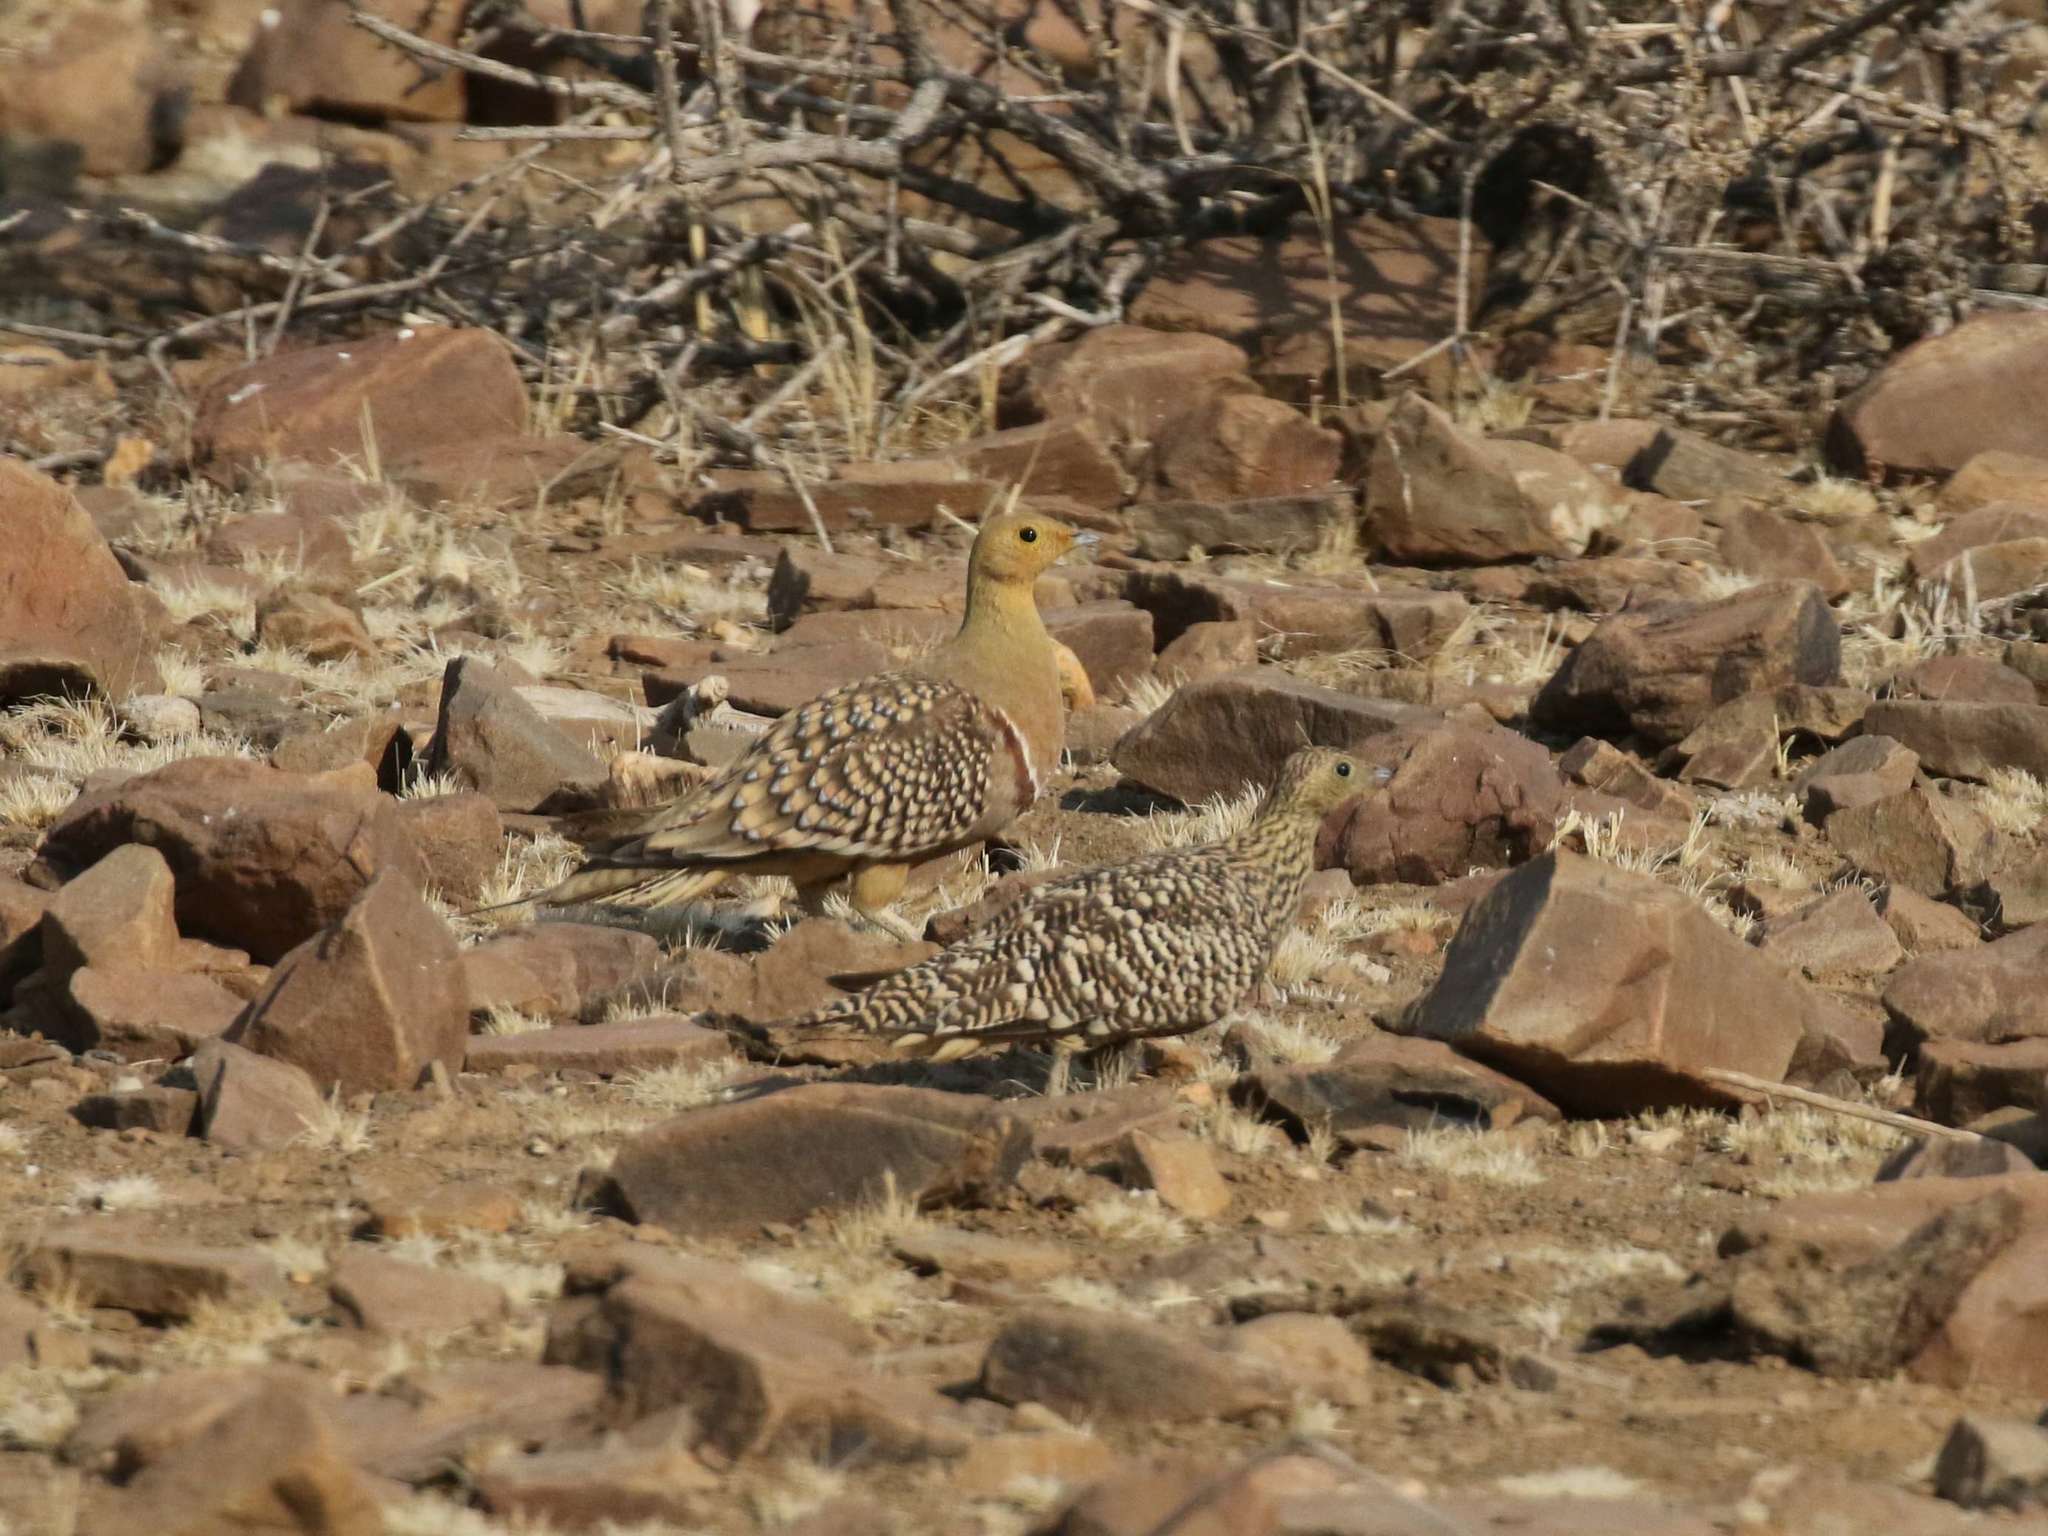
x=895 y=924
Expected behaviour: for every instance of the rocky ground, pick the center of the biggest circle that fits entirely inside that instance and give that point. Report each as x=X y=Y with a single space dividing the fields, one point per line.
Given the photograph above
x=1641 y=1130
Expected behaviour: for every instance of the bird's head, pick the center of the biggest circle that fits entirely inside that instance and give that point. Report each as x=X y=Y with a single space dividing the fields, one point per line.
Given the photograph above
x=1318 y=779
x=1019 y=546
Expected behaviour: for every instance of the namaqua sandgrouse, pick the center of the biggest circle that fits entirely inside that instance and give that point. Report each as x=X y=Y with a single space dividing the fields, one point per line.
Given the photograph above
x=1161 y=945
x=851 y=789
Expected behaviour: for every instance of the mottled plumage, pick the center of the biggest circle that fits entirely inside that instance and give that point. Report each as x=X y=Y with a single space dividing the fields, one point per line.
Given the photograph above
x=877 y=774
x=1158 y=946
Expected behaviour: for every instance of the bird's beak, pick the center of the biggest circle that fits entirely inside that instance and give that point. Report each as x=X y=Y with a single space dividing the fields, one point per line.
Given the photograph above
x=1085 y=540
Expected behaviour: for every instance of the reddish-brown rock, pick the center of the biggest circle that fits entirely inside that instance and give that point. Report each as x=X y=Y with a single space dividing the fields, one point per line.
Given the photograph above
x=489 y=739
x=606 y=1049
x=820 y=1147
x=1381 y=1086
x=1233 y=446
x=417 y=387
x=1660 y=670
x=1437 y=494
x=250 y=1103
x=141 y=1015
x=1944 y=400
x=1965 y=680
x=1610 y=992
x=1067 y=456
x=262 y=859
x=1101 y=1366
x=370 y=1002
x=317 y=626
x=1839 y=935
x=1957 y=740
x=70 y=620
x=1922 y=839
x=1959 y=1081
x=1281 y=525
x=1771 y=547
x=313 y=60
x=1861 y=771
x=1126 y=378
x=108 y=1264
x=118 y=913
x=1656 y=456
x=1991 y=993
x=380 y=1294
x=104 y=83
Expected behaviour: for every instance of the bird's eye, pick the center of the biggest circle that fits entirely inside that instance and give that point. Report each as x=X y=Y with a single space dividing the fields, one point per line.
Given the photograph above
x=1343 y=770
x=1029 y=535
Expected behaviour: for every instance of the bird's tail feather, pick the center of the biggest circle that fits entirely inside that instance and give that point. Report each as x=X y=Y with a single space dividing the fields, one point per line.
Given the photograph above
x=639 y=889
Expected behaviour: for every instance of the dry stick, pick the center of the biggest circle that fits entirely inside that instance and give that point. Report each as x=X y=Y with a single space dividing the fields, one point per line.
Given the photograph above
x=608 y=91
x=297 y=281
x=1834 y=1106
x=810 y=504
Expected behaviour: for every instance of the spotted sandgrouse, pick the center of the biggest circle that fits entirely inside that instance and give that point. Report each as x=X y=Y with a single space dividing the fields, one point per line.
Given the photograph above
x=866 y=780
x=1158 y=946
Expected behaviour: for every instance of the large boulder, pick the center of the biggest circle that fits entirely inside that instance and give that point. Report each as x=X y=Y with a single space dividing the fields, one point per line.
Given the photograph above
x=1942 y=401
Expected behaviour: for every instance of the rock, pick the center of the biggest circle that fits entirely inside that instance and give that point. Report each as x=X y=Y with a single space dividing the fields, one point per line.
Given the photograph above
x=1993 y=1463
x=460 y=838
x=166 y=1111
x=1839 y=935
x=1961 y=1080
x=284 y=544
x=1861 y=771
x=1965 y=740
x=1231 y=446
x=554 y=969
x=600 y=1487
x=1436 y=494
x=1208 y=649
x=604 y=725
x=1068 y=456
x=998 y=1465
x=912 y=493
x=820 y=1147
x=312 y=60
x=1923 y=924
x=1456 y=798
x=515 y=473
x=1277 y=525
x=272 y=1463
x=489 y=739
x=1127 y=379
x=1994 y=476
x=105 y=84
x=261 y=859
x=1945 y=399
x=1924 y=840
x=743 y=1376
x=250 y=1103
x=158 y=718
x=36 y=1494
x=1099 y=1365
x=1609 y=992
x=139 y=1015
x=104 y=1265
x=117 y=913
x=418 y=387
x=451 y=1210
x=1761 y=543
x=980 y=1257
x=1990 y=1333
x=1180 y=1170
x=1305 y=619
x=2013 y=897
x=70 y=620
x=1989 y=572
x=1218 y=736
x=370 y=1002
x=1391 y=289
x=607 y=1050
x=1660 y=670
x=1600 y=766
x=1940 y=1158
x=1112 y=640
x=1247 y=1499
x=432 y=1420
x=384 y=1295
x=1381 y=1086
x=1655 y=456
x=1963 y=680
x=315 y=626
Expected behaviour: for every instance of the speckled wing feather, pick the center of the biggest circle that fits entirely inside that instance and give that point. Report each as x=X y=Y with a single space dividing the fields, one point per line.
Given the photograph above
x=1156 y=946
x=890 y=767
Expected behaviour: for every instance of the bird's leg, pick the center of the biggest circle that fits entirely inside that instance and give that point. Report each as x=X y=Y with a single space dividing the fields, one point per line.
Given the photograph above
x=874 y=890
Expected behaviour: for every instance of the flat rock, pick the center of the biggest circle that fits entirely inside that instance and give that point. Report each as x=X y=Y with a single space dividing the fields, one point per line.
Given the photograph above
x=1660 y=670
x=139 y=1015
x=1772 y=547
x=1230 y=446
x=70 y=620
x=368 y=1003
x=428 y=1421
x=555 y=968
x=1609 y=992
x=1942 y=401
x=597 y=1487
x=1299 y=619
x=1993 y=1463
x=1275 y=525
x=490 y=739
x=119 y=912
x=460 y=838
x=1180 y=1170
x=1957 y=740
x=1382 y=1085
x=1128 y=379
x=1861 y=771
x=1066 y=456
x=261 y=859
x=637 y=1045
x=981 y=1257
x=1923 y=924
x=1839 y=935
x=1958 y=1081
x=108 y=1265
x=823 y=1147
x=1218 y=736
x=1656 y=456
x=419 y=386
x=380 y=1294
x=1963 y=680
x=1455 y=798
x=1102 y=1366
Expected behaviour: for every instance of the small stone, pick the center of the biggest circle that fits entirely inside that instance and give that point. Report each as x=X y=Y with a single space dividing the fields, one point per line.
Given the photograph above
x=104 y=1266
x=384 y=1295
x=1104 y=1366
x=1990 y=1463
x=250 y=1103
x=490 y=739
x=1180 y=1170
